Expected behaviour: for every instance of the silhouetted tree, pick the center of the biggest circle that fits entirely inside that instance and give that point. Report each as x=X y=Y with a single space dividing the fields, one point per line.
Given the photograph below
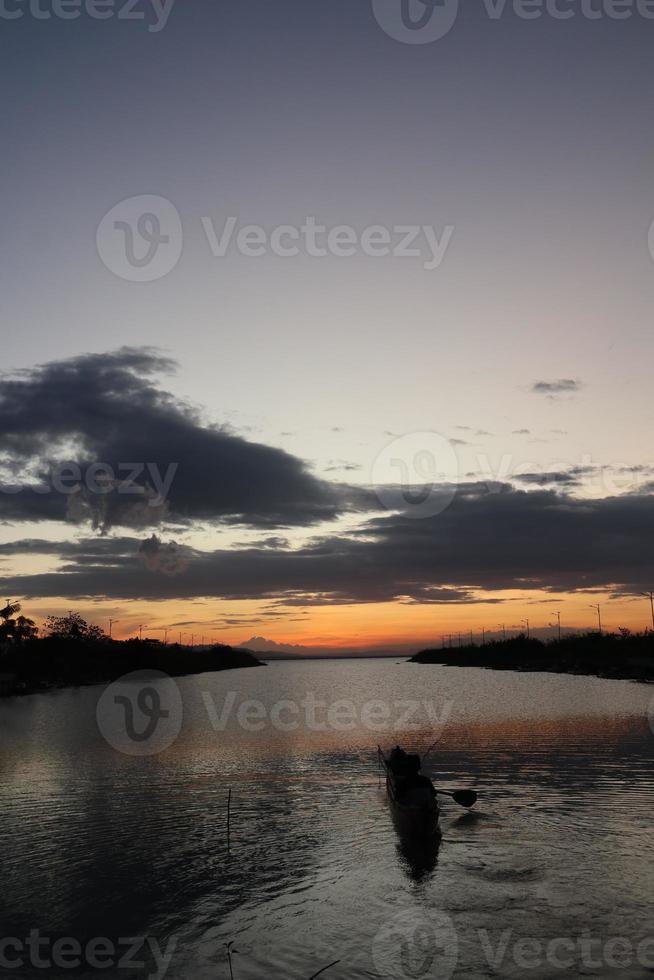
x=72 y=628
x=14 y=628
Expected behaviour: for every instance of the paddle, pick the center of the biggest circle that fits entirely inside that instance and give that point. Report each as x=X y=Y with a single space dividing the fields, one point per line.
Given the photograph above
x=464 y=797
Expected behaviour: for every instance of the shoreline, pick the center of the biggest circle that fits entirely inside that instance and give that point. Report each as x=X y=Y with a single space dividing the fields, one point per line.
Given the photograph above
x=36 y=675
x=624 y=656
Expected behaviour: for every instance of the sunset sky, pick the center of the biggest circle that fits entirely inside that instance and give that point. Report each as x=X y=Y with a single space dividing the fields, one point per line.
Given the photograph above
x=506 y=367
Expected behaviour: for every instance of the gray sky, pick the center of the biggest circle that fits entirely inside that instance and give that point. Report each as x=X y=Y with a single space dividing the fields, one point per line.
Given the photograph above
x=530 y=140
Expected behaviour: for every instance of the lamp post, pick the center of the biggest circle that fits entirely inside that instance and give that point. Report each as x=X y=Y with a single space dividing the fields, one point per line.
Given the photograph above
x=596 y=605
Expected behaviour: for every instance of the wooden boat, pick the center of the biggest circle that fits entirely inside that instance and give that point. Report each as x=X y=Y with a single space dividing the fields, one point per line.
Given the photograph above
x=411 y=795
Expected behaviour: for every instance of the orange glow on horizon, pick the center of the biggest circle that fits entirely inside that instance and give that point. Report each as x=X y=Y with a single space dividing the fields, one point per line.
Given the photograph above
x=356 y=625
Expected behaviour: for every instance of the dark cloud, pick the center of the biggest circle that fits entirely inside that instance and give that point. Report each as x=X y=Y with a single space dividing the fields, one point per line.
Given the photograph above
x=341 y=465
x=561 y=386
x=107 y=408
x=573 y=477
x=169 y=558
x=490 y=540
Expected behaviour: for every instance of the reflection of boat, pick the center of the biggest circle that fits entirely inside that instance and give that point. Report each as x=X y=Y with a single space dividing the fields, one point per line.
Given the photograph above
x=418 y=852
x=412 y=796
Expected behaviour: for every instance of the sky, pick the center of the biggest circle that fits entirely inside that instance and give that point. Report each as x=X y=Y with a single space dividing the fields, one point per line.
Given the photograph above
x=304 y=255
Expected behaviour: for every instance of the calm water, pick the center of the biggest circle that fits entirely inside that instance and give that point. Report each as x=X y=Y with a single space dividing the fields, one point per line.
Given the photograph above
x=99 y=843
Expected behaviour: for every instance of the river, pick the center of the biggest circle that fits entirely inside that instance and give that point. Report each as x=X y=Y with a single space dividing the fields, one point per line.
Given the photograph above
x=105 y=837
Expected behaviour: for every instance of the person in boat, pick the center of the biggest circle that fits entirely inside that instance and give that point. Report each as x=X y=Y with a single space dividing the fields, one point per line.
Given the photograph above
x=406 y=772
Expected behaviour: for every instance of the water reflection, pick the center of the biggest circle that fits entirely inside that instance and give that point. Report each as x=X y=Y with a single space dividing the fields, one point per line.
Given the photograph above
x=417 y=853
x=95 y=843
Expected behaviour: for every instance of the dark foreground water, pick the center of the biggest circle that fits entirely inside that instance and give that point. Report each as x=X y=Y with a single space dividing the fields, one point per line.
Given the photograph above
x=551 y=875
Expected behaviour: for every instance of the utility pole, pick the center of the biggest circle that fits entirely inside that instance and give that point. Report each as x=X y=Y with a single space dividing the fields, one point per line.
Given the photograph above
x=650 y=596
x=558 y=619
x=471 y=643
x=596 y=605
x=141 y=632
x=459 y=639
x=180 y=638
x=192 y=639
x=526 y=622
x=483 y=636
x=165 y=635
x=503 y=628
x=111 y=625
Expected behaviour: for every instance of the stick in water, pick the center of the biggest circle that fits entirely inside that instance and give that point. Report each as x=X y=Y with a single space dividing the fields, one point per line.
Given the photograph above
x=229 y=807
x=323 y=969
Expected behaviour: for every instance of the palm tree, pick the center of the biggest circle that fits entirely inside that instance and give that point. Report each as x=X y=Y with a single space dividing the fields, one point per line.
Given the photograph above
x=15 y=628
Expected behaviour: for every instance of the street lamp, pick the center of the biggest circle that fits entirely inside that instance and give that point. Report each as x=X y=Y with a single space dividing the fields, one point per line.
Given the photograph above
x=650 y=596
x=596 y=605
x=558 y=622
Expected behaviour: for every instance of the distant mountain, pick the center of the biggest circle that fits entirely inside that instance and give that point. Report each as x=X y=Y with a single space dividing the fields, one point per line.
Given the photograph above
x=283 y=651
x=261 y=643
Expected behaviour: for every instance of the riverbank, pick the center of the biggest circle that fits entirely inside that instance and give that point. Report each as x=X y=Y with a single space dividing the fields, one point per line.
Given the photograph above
x=49 y=664
x=622 y=656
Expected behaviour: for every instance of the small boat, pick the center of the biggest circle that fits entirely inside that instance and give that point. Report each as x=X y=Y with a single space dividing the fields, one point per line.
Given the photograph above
x=411 y=795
